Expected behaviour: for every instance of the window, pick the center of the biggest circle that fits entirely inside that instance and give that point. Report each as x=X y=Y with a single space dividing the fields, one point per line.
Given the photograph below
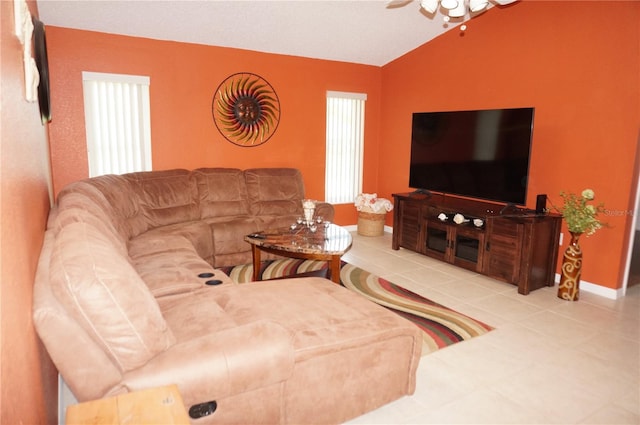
x=117 y=120
x=345 y=146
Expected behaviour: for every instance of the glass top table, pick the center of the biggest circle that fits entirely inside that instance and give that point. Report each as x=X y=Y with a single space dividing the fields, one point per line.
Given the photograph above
x=327 y=243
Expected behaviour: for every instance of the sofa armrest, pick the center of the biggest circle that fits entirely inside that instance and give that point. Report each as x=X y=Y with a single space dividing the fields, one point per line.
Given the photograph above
x=325 y=210
x=217 y=365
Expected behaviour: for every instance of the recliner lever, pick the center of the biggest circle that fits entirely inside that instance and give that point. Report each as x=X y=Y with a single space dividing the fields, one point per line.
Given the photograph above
x=203 y=409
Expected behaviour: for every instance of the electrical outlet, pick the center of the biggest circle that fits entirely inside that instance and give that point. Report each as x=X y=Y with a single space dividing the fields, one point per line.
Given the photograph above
x=561 y=237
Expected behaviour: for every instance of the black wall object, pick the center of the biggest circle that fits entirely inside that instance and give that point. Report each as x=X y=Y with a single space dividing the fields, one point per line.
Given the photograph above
x=541 y=204
x=42 y=62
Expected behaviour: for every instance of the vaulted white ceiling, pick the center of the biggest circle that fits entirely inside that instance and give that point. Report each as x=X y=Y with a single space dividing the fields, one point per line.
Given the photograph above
x=372 y=32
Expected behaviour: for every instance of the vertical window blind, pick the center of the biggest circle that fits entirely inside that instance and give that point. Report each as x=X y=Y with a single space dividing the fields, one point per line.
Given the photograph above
x=344 y=146
x=117 y=120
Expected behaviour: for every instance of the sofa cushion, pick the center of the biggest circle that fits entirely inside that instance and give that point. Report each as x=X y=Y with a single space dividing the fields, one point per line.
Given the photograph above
x=195 y=233
x=228 y=234
x=197 y=314
x=168 y=264
x=166 y=197
x=227 y=362
x=222 y=192
x=321 y=316
x=276 y=221
x=274 y=191
x=102 y=291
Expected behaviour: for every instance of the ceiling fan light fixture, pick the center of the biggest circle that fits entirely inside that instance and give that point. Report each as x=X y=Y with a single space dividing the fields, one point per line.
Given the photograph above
x=451 y=4
x=429 y=5
x=478 y=5
x=457 y=8
x=459 y=11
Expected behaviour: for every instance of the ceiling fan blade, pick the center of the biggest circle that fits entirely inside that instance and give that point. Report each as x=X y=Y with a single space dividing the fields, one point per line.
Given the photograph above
x=392 y=4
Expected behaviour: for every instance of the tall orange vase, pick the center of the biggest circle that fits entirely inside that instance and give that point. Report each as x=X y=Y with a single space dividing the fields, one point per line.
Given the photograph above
x=569 y=288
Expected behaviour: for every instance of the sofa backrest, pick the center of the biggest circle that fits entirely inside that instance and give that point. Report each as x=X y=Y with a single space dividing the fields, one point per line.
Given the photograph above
x=101 y=290
x=83 y=202
x=87 y=368
x=166 y=197
x=137 y=202
x=118 y=192
x=274 y=191
x=222 y=192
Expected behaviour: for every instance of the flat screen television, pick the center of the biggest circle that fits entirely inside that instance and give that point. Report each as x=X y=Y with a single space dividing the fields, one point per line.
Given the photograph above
x=479 y=154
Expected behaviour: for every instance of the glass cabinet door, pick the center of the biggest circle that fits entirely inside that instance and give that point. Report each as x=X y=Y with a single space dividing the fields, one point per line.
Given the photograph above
x=437 y=240
x=467 y=248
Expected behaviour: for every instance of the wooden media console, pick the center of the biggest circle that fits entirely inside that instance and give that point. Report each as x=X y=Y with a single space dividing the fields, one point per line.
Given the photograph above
x=505 y=242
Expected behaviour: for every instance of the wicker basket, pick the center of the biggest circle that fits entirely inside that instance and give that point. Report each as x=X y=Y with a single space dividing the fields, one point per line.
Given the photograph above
x=371 y=224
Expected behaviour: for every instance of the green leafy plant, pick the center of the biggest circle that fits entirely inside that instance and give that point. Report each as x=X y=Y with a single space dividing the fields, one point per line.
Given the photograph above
x=581 y=215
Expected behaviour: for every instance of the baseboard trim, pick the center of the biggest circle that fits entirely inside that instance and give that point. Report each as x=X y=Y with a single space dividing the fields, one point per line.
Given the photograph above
x=354 y=228
x=593 y=288
x=65 y=399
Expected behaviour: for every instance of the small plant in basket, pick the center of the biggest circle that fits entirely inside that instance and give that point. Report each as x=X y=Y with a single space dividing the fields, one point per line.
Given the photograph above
x=371 y=213
x=369 y=202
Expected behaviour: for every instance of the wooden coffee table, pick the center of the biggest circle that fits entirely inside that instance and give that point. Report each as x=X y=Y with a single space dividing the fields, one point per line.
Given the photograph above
x=327 y=243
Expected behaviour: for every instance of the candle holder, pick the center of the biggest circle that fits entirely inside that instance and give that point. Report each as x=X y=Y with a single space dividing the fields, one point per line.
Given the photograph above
x=308 y=224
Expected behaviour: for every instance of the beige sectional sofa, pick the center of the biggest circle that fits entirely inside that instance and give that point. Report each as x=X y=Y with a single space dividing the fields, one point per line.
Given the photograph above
x=121 y=302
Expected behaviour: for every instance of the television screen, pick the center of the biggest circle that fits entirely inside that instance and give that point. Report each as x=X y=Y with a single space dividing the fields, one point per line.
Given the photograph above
x=480 y=154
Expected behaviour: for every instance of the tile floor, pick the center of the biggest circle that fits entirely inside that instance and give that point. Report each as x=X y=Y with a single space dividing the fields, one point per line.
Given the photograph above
x=547 y=362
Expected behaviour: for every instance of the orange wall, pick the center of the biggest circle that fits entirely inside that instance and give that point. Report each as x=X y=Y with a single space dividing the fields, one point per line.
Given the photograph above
x=184 y=78
x=582 y=76
x=28 y=384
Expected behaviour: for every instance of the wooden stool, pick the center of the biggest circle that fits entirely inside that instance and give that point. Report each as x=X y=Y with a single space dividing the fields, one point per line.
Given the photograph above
x=162 y=405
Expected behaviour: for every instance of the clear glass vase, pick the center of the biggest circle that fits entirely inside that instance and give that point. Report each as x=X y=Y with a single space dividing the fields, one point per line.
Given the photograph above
x=308 y=208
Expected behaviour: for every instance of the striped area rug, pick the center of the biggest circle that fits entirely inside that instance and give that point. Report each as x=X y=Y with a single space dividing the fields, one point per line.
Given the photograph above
x=441 y=326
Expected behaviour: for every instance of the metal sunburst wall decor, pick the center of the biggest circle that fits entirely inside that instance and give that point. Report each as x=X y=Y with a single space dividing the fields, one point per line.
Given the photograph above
x=246 y=109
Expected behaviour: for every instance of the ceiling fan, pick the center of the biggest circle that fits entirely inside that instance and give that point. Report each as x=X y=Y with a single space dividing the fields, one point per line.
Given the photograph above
x=453 y=8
